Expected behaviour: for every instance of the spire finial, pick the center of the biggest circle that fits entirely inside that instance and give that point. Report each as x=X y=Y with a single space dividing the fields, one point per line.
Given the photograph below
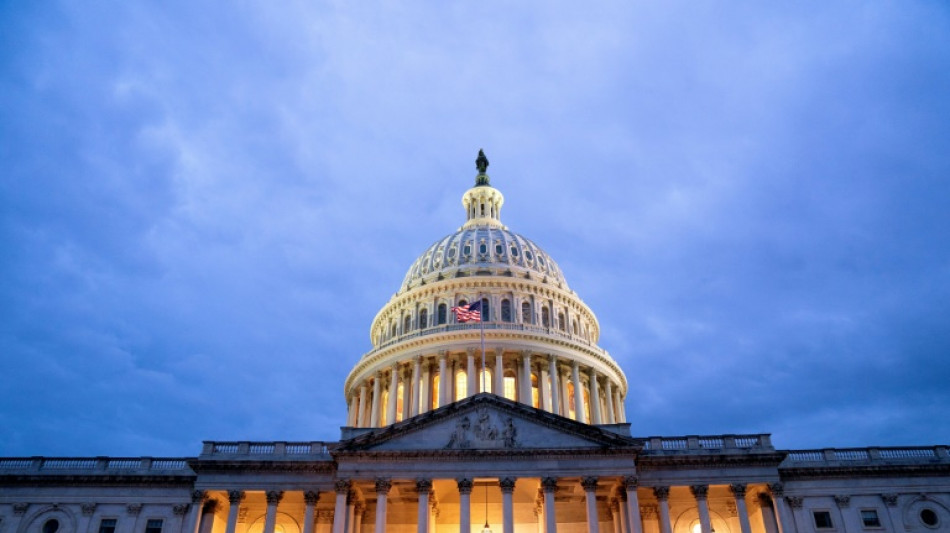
x=481 y=163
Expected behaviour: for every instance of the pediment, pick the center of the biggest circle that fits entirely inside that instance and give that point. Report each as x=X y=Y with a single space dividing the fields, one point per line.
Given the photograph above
x=486 y=422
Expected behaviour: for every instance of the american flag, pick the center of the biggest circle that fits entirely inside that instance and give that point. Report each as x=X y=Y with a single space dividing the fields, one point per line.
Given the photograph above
x=465 y=313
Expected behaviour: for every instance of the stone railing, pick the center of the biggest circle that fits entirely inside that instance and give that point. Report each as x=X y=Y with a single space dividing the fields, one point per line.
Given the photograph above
x=699 y=444
x=846 y=456
x=110 y=465
x=258 y=450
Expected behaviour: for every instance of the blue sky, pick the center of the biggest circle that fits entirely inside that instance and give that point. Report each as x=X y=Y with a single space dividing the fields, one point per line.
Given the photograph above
x=204 y=205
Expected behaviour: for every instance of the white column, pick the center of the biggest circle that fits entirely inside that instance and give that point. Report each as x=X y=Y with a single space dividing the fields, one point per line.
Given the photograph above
x=578 y=393
x=471 y=374
x=465 y=505
x=663 y=497
x=235 y=497
x=526 y=377
x=358 y=517
x=423 y=486
x=595 y=398
x=543 y=377
x=624 y=511
x=87 y=510
x=382 y=494
x=609 y=394
x=416 y=402
x=615 y=516
x=374 y=414
x=207 y=517
x=193 y=520
x=768 y=514
x=631 y=483
x=549 y=486
x=270 y=518
x=507 y=507
x=738 y=492
x=351 y=417
x=424 y=395
x=783 y=513
x=361 y=416
x=699 y=492
x=590 y=495
x=565 y=397
x=350 y=511
x=310 y=501
x=342 y=488
x=443 y=379
x=393 y=392
x=555 y=396
x=499 y=372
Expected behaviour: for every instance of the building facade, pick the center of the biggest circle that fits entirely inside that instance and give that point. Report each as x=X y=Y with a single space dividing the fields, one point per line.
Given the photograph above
x=513 y=424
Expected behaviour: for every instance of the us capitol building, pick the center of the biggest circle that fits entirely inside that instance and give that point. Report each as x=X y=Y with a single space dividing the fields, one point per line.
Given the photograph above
x=511 y=425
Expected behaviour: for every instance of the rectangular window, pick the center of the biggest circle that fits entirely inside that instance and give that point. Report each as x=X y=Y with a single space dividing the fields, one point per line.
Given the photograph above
x=107 y=525
x=823 y=520
x=869 y=518
x=153 y=526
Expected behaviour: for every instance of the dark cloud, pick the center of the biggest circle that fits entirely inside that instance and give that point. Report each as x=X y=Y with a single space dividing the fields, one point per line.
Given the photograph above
x=205 y=206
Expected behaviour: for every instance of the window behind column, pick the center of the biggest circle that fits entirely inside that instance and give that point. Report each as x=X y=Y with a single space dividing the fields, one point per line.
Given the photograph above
x=435 y=390
x=400 y=401
x=571 y=410
x=485 y=382
x=511 y=386
x=461 y=385
x=535 y=392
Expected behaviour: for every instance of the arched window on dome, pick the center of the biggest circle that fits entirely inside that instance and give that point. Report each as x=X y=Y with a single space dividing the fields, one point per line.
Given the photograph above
x=461 y=385
x=392 y=334
x=424 y=319
x=442 y=313
x=526 y=313
x=506 y=310
x=545 y=317
x=571 y=402
x=486 y=311
x=535 y=392
x=484 y=380
x=575 y=327
x=406 y=324
x=511 y=386
x=435 y=390
x=400 y=402
x=560 y=322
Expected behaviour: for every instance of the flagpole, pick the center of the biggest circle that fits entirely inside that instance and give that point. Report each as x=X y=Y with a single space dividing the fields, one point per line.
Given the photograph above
x=481 y=323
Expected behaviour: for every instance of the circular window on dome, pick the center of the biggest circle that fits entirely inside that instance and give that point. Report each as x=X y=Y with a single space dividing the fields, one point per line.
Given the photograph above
x=528 y=255
x=451 y=253
x=483 y=248
x=499 y=249
x=467 y=250
x=541 y=260
x=929 y=517
x=514 y=252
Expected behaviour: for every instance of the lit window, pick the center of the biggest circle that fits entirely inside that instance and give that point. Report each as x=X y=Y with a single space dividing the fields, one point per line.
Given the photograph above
x=484 y=383
x=535 y=392
x=435 y=391
x=587 y=403
x=461 y=385
x=400 y=399
x=822 y=520
x=511 y=388
x=153 y=526
x=107 y=525
x=571 y=411
x=384 y=405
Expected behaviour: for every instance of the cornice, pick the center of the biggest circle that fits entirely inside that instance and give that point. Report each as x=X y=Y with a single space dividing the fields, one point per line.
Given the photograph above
x=93 y=480
x=852 y=471
x=486 y=455
x=647 y=462
x=205 y=466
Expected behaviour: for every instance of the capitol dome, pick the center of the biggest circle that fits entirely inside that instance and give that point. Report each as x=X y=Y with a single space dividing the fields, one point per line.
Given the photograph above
x=536 y=342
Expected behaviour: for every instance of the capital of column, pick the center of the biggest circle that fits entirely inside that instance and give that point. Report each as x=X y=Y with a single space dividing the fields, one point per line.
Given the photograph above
x=274 y=497
x=311 y=497
x=235 y=496
x=210 y=506
x=507 y=485
x=699 y=491
x=443 y=355
x=795 y=502
x=470 y=352
x=198 y=496
x=383 y=484
x=614 y=505
x=342 y=486
x=738 y=489
x=352 y=497
x=589 y=483
x=135 y=508
x=889 y=500
x=423 y=485
x=88 y=509
x=631 y=482
x=622 y=496
x=842 y=501
x=777 y=489
x=549 y=484
x=465 y=485
x=661 y=493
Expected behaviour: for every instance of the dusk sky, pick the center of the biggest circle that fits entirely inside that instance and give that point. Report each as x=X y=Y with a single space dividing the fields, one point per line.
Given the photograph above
x=204 y=204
